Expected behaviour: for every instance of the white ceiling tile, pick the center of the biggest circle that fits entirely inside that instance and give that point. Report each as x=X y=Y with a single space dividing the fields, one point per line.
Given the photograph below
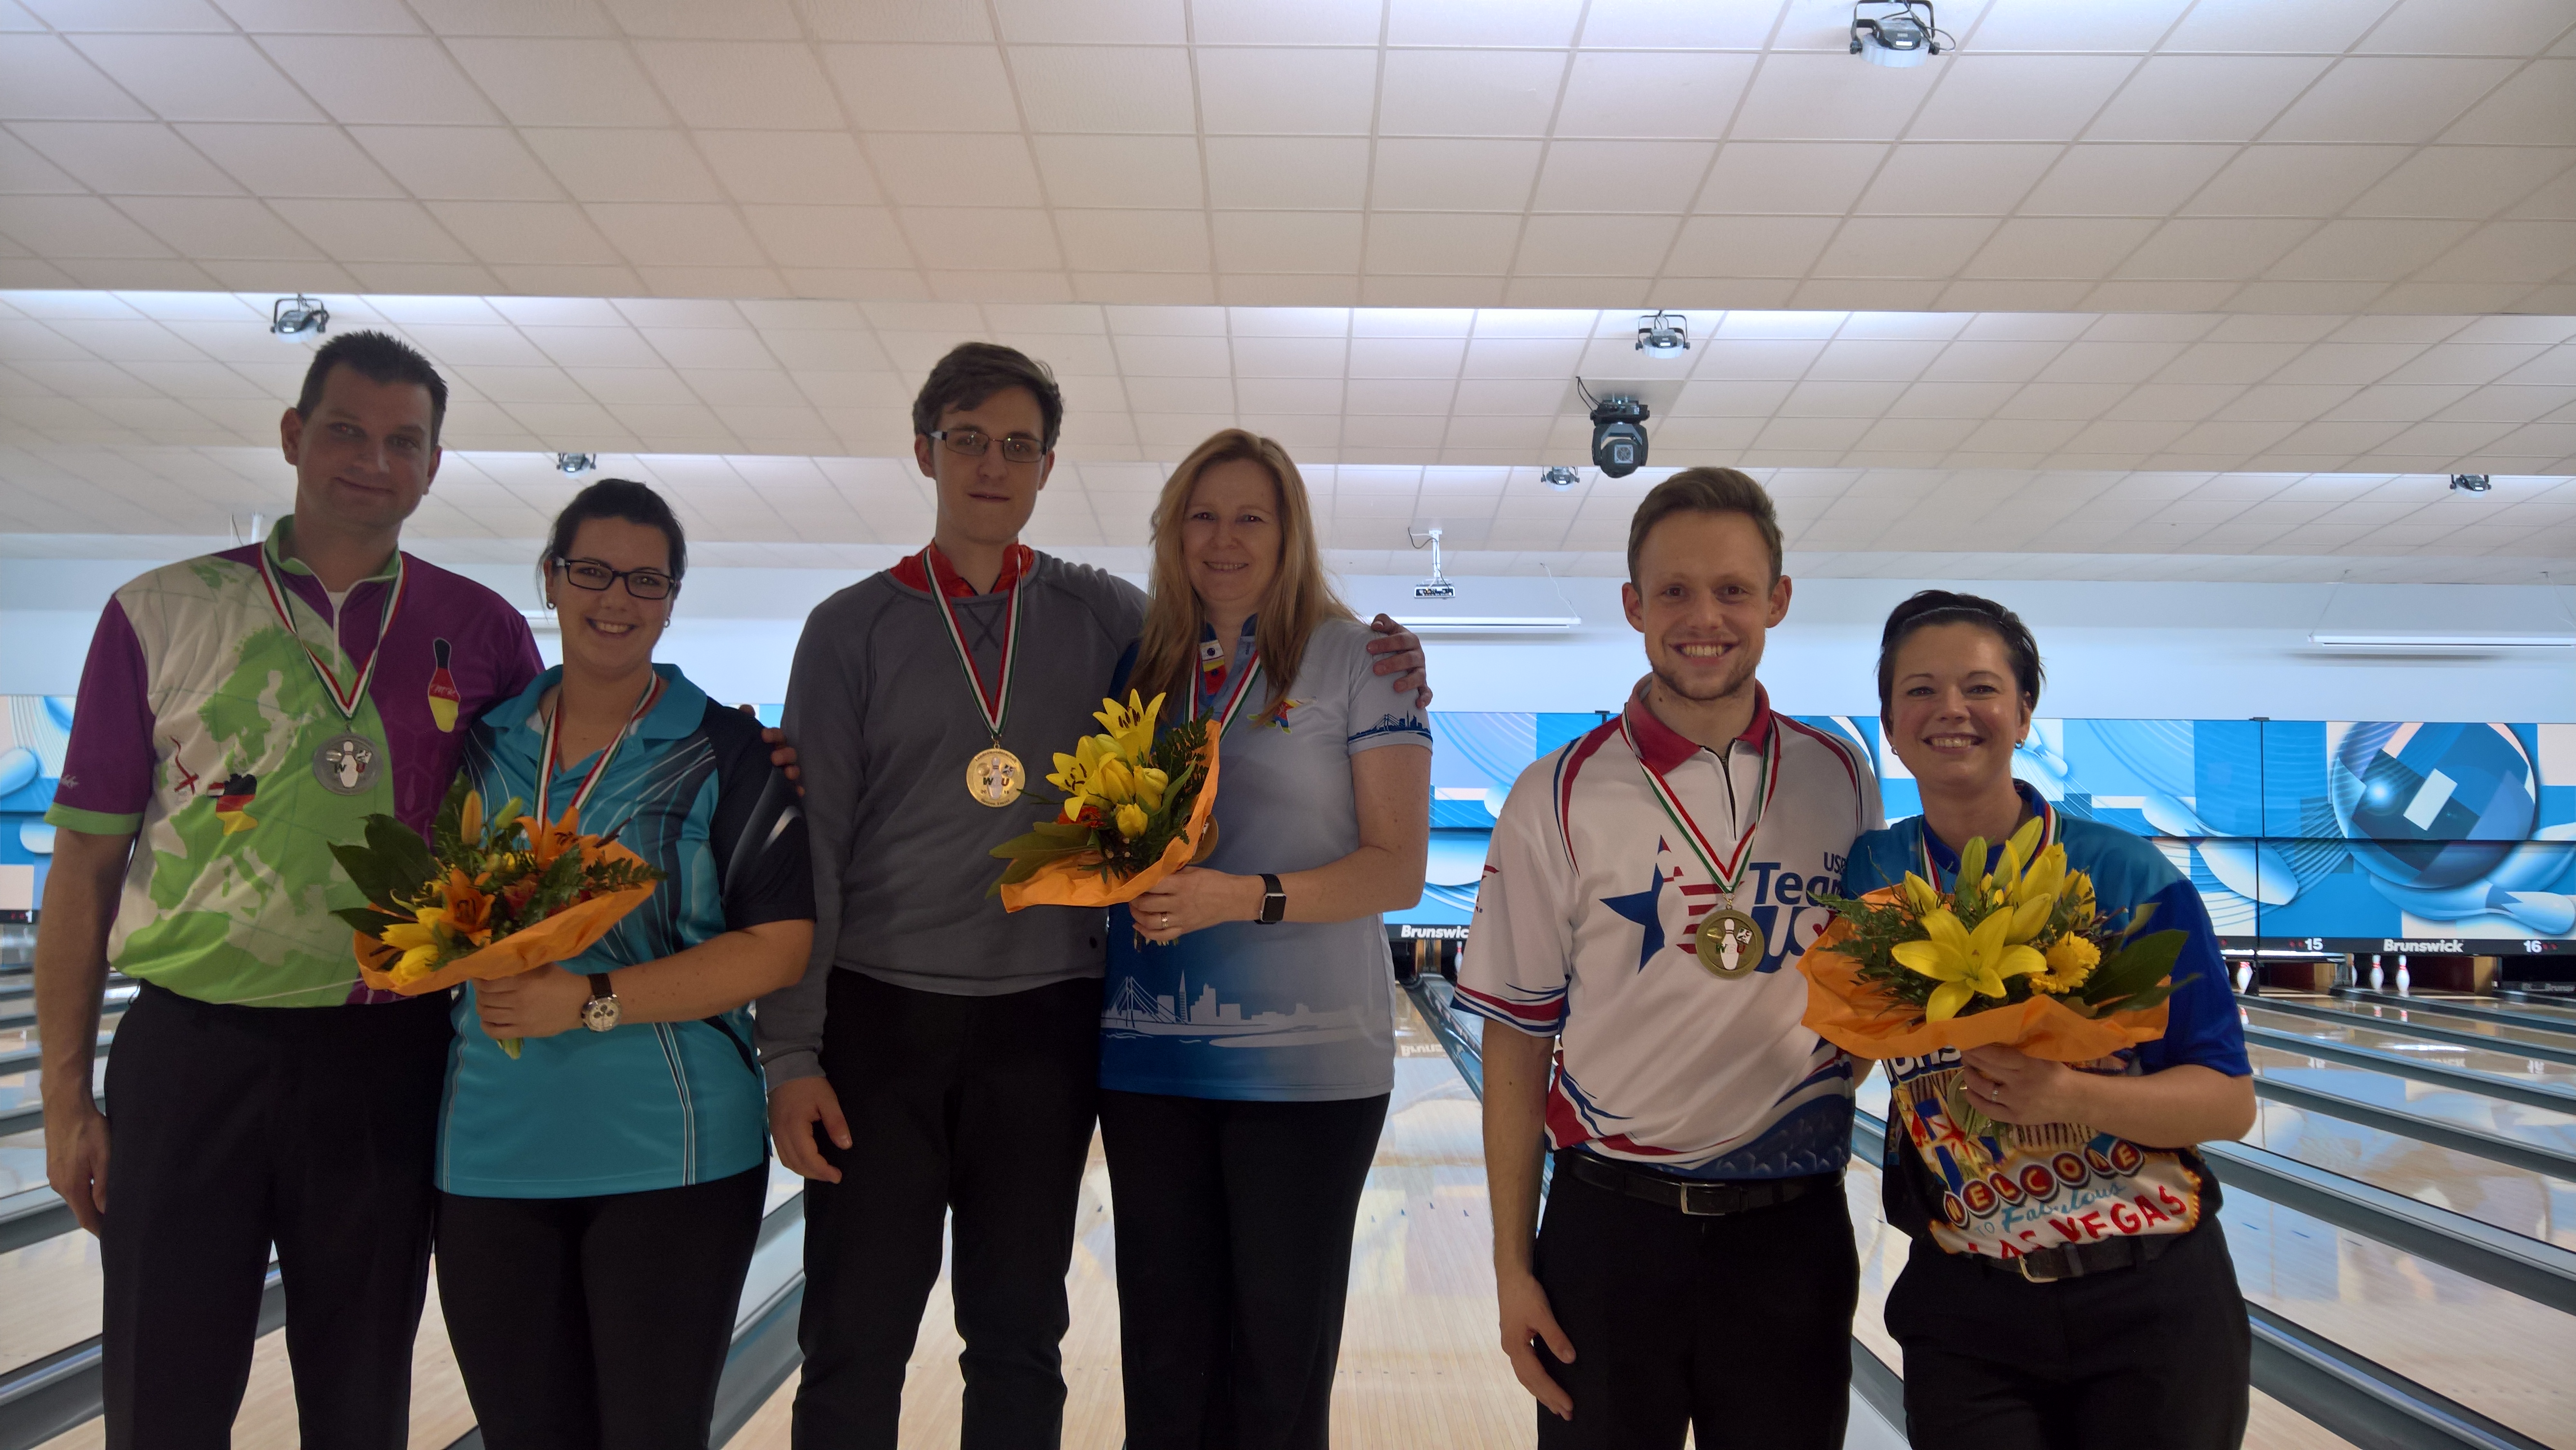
x=2443 y=181
x=1286 y=92
x=2213 y=249
x=1290 y=357
x=465 y=163
x=1661 y=24
x=340 y=17
x=374 y=231
x=1903 y=246
x=1750 y=246
x=22 y=170
x=2534 y=108
x=2358 y=250
x=1118 y=171
x=1287 y=241
x=1501 y=22
x=2467 y=27
x=278 y=160
x=742 y=84
x=2139 y=179
x=1133 y=241
x=2378 y=98
x=829 y=236
x=1469 y=92
x=2059 y=247
x=2514 y=251
x=1264 y=171
x=43 y=78
x=2018 y=97
x=76 y=226
x=996 y=238
x=661 y=234
x=624 y=164
x=2294 y=180
x=124 y=14
x=1639 y=93
x=2204 y=97
x=1454 y=175
x=2047 y=25
x=1441 y=243
x=1104 y=88
x=1984 y=179
x=127 y=157
x=955 y=170
x=1260 y=22
x=391 y=80
x=923 y=87
x=1622 y=176
x=2292 y=25
x=562 y=82
x=1595 y=246
x=1149 y=22
x=683 y=20
x=1826 y=97
x=525 y=232
x=1814 y=177
x=198 y=77
x=790 y=167
x=219 y=227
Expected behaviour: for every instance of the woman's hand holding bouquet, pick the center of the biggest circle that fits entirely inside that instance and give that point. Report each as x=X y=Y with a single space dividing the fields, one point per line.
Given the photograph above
x=1136 y=809
x=2017 y=956
x=484 y=899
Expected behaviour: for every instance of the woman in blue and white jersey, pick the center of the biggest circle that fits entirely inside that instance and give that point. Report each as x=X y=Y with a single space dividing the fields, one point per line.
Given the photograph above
x=2069 y=1286
x=600 y=1193
x=1247 y=1028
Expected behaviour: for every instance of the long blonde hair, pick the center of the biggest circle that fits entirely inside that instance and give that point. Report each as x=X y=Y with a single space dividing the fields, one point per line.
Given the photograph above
x=1299 y=598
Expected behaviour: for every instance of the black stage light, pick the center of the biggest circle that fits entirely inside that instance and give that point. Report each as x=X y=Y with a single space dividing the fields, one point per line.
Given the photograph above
x=1619 y=435
x=2471 y=482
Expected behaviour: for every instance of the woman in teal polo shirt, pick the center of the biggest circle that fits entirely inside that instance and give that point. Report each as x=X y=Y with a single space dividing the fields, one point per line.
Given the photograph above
x=600 y=1194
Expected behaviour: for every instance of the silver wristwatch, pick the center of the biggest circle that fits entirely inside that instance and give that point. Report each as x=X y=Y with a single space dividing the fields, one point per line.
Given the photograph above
x=599 y=1014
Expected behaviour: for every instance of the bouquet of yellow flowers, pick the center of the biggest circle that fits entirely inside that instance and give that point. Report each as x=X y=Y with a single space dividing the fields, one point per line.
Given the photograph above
x=2018 y=954
x=483 y=898
x=1136 y=809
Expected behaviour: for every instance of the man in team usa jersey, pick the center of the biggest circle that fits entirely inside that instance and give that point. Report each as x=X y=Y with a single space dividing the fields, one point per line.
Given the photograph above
x=1643 y=907
x=941 y=1058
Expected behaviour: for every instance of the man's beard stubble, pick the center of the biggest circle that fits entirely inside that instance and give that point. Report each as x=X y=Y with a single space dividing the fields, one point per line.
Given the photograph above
x=1738 y=676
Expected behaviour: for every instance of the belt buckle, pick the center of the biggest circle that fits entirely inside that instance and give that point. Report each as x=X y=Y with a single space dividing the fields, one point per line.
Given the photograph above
x=2023 y=1264
x=1689 y=1192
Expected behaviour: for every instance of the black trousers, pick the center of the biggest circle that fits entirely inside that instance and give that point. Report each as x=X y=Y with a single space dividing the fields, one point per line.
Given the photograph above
x=1736 y=1327
x=979 y=1108
x=1234 y=1257
x=2154 y=1356
x=582 y=1323
x=232 y=1128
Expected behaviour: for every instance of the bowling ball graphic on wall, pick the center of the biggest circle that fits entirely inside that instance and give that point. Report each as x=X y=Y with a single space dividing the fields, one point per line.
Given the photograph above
x=2431 y=807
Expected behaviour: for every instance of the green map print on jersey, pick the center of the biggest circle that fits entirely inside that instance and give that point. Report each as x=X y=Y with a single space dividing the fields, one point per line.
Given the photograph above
x=244 y=916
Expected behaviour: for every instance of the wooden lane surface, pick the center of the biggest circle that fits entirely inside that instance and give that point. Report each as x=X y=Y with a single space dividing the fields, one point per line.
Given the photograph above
x=2498 y=1062
x=2535 y=1205
x=2539 y=1127
x=2396 y=1019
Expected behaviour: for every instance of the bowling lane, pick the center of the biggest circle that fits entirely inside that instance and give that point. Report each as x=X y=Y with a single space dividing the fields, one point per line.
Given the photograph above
x=2535 y=1205
x=2537 y=1127
x=2505 y=1035
x=2499 y=1062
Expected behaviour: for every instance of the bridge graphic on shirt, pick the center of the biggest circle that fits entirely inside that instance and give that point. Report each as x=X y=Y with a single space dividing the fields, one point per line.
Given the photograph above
x=1135 y=1009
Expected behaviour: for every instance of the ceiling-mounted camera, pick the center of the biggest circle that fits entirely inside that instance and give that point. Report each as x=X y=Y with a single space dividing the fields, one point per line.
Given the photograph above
x=1893 y=33
x=1664 y=334
x=1618 y=432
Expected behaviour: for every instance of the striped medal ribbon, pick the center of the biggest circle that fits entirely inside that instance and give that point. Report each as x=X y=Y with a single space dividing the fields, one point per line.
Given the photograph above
x=599 y=767
x=1729 y=941
x=995 y=776
x=347 y=699
x=1234 y=702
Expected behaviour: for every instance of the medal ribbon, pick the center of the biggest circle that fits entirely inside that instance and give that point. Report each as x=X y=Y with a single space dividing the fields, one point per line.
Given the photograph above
x=599 y=769
x=1251 y=666
x=1731 y=875
x=999 y=700
x=349 y=699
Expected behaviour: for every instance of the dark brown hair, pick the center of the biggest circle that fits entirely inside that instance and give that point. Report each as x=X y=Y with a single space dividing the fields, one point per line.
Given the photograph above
x=1705 y=491
x=1940 y=606
x=378 y=359
x=974 y=371
x=617 y=498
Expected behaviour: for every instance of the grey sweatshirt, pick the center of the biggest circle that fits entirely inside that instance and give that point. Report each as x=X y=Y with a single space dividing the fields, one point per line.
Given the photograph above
x=884 y=723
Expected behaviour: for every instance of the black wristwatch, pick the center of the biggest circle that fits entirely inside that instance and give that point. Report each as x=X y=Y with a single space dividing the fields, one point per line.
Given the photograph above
x=1274 y=902
x=599 y=1014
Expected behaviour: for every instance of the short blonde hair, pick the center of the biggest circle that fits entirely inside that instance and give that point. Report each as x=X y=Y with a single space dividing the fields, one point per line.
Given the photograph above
x=1705 y=491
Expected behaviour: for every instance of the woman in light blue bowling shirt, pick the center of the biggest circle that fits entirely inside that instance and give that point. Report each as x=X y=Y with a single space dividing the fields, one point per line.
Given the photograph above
x=1247 y=1029
x=600 y=1193
x=2069 y=1286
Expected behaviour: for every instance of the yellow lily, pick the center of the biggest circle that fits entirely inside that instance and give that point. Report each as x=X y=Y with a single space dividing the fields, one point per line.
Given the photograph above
x=1151 y=784
x=1965 y=963
x=1920 y=897
x=418 y=940
x=1130 y=726
x=1114 y=782
x=2045 y=878
x=2017 y=851
x=1131 y=821
x=470 y=822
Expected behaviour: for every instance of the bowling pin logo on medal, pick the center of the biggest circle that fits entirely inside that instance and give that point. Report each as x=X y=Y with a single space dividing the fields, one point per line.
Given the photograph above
x=1729 y=942
x=994 y=777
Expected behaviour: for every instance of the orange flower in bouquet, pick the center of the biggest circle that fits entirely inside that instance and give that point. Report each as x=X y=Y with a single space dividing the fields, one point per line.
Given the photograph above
x=483 y=899
x=1137 y=808
x=2018 y=954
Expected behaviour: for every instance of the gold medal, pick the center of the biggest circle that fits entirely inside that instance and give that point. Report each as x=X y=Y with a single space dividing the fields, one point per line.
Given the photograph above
x=1730 y=943
x=995 y=777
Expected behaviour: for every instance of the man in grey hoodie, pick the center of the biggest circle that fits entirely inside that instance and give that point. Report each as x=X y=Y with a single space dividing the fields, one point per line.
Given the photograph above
x=962 y=1042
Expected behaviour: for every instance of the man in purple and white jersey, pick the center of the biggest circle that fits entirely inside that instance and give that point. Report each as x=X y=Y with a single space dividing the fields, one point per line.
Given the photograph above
x=1647 y=895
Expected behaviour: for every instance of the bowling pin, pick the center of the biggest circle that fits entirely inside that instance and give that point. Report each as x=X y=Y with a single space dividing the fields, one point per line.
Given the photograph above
x=2244 y=975
x=2378 y=978
x=2405 y=982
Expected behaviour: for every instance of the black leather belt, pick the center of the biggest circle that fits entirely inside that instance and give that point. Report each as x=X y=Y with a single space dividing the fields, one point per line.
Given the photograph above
x=1698 y=1200
x=2074 y=1261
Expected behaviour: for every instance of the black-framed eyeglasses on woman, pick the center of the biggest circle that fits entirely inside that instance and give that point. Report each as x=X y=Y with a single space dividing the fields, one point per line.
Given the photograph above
x=972 y=442
x=595 y=576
